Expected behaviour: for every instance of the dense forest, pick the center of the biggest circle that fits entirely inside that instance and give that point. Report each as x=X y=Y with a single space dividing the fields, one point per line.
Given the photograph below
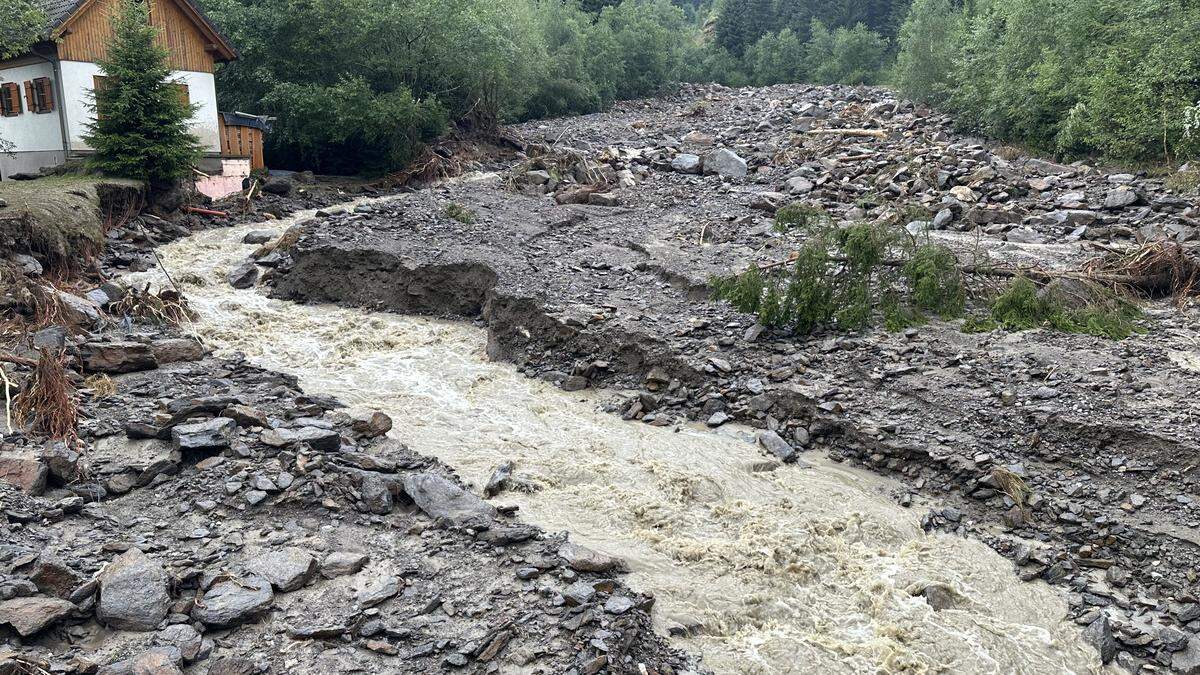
x=358 y=85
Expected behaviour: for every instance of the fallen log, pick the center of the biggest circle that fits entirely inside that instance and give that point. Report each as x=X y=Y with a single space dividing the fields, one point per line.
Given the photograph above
x=865 y=133
x=19 y=360
x=205 y=211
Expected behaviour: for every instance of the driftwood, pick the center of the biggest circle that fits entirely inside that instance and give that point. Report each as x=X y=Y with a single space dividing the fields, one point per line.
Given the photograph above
x=205 y=211
x=19 y=360
x=866 y=133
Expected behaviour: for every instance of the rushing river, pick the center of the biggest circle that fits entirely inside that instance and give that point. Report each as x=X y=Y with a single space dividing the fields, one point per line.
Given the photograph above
x=796 y=570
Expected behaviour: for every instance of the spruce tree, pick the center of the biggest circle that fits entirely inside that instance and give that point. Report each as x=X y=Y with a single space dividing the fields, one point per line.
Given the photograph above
x=141 y=127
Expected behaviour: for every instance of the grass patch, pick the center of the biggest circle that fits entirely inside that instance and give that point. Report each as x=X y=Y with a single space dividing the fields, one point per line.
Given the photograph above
x=1089 y=310
x=458 y=212
x=799 y=217
x=851 y=277
x=1184 y=182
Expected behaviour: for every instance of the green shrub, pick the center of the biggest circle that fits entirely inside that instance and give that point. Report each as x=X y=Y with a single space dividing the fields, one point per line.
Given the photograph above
x=458 y=212
x=1093 y=311
x=846 y=55
x=799 y=216
x=930 y=39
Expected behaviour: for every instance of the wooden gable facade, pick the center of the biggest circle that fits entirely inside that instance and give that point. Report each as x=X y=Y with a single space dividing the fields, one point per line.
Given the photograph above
x=190 y=41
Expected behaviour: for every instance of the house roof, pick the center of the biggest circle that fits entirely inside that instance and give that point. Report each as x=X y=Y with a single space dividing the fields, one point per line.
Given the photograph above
x=60 y=12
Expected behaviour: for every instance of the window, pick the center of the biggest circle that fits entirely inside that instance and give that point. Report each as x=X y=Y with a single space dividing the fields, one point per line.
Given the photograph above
x=99 y=82
x=184 y=93
x=10 y=99
x=39 y=95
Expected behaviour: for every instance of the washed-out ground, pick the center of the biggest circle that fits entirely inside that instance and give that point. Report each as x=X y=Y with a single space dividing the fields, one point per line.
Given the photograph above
x=613 y=293
x=278 y=531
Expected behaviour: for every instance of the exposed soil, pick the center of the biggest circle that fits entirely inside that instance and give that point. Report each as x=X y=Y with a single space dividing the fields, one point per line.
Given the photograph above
x=613 y=293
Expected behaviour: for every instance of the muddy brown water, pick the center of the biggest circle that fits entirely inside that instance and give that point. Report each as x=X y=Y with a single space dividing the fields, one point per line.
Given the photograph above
x=795 y=570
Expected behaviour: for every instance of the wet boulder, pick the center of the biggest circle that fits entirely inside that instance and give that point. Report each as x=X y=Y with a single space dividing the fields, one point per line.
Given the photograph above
x=118 y=357
x=442 y=500
x=584 y=559
x=243 y=276
x=133 y=593
x=214 y=434
x=776 y=445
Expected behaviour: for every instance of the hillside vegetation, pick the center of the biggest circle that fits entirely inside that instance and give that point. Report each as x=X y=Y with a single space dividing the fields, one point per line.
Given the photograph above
x=359 y=85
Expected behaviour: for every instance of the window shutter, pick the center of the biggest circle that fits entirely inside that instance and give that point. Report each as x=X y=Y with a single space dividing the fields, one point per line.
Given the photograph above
x=12 y=99
x=45 y=94
x=30 y=98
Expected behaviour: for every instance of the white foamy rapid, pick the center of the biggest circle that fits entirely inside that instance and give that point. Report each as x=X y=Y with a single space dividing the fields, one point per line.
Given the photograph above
x=797 y=570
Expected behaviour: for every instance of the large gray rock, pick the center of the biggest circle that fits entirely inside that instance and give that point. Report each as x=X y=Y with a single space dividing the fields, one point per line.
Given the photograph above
x=287 y=570
x=1120 y=198
x=229 y=603
x=75 y=310
x=118 y=357
x=214 y=434
x=775 y=445
x=321 y=440
x=133 y=593
x=686 y=163
x=1099 y=634
x=342 y=563
x=243 y=276
x=30 y=615
x=442 y=500
x=1187 y=661
x=725 y=163
x=584 y=559
x=798 y=185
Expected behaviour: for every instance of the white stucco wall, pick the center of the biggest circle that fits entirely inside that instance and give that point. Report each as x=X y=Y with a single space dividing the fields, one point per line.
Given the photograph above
x=77 y=84
x=29 y=131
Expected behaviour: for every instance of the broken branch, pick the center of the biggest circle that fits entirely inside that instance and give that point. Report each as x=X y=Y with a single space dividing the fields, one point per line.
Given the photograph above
x=865 y=133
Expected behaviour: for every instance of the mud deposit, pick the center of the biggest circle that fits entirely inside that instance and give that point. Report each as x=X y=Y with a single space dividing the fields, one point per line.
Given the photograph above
x=757 y=567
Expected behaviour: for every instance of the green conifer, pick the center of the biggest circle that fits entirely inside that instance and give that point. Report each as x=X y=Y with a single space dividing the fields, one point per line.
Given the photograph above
x=141 y=128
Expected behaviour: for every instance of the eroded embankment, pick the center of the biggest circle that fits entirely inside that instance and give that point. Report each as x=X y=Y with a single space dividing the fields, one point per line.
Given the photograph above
x=757 y=567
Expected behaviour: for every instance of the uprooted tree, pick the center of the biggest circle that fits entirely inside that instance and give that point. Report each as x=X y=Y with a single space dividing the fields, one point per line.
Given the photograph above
x=847 y=277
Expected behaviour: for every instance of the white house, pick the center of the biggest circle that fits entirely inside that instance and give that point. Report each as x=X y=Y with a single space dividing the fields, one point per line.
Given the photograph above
x=45 y=94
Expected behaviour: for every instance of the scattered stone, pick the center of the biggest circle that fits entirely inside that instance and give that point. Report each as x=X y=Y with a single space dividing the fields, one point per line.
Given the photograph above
x=233 y=602
x=29 y=615
x=214 y=434
x=133 y=593
x=287 y=569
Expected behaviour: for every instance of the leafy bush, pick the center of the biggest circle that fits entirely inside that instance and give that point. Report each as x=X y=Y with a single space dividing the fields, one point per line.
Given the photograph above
x=1074 y=77
x=777 y=57
x=930 y=39
x=20 y=23
x=847 y=55
x=348 y=127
